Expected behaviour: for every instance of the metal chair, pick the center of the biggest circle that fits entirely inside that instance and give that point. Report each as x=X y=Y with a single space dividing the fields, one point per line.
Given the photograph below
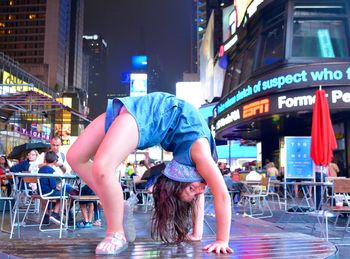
x=49 y=199
x=258 y=192
x=341 y=189
x=274 y=194
x=10 y=200
x=33 y=197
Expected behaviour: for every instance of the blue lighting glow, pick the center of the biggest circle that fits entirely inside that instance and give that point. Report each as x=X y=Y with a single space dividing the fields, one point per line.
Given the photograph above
x=139 y=62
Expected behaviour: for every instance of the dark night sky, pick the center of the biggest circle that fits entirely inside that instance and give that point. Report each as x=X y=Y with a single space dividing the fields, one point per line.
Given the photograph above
x=159 y=28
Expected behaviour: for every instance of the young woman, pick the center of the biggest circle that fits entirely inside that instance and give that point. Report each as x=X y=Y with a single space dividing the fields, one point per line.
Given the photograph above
x=29 y=164
x=140 y=122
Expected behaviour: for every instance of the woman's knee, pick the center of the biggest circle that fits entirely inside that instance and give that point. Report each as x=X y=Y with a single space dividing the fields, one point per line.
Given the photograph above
x=101 y=170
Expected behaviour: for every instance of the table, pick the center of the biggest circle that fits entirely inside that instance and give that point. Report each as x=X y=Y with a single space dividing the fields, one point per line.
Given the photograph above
x=306 y=192
x=18 y=177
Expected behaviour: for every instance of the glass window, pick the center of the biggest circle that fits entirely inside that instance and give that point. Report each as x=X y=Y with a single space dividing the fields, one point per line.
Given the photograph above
x=232 y=76
x=319 y=10
x=272 y=45
x=236 y=74
x=248 y=63
x=319 y=38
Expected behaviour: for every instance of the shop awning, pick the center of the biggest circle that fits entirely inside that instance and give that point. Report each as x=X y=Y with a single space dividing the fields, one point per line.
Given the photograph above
x=35 y=103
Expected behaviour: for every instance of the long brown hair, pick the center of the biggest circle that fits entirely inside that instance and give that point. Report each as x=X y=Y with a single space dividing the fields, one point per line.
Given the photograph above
x=172 y=218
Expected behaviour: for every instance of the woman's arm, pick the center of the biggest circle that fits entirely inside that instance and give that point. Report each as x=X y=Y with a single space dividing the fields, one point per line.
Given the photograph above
x=206 y=166
x=20 y=167
x=198 y=220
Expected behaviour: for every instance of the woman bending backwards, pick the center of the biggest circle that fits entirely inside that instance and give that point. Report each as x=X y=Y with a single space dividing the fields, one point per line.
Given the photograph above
x=132 y=123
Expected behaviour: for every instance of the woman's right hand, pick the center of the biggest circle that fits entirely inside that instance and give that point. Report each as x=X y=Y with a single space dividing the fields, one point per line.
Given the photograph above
x=218 y=247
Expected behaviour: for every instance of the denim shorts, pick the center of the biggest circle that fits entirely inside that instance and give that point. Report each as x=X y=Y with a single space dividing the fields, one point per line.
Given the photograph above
x=163 y=119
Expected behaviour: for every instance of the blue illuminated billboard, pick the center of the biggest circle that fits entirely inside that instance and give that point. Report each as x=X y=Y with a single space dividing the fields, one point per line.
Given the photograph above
x=299 y=164
x=139 y=62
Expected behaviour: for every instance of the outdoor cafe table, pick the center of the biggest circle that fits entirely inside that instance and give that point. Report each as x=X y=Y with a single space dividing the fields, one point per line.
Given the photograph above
x=18 y=179
x=306 y=192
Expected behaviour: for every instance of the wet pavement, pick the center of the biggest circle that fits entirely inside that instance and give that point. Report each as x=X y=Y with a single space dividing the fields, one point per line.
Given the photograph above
x=281 y=236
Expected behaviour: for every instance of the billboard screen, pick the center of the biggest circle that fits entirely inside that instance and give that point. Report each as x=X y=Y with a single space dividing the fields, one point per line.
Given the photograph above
x=227 y=22
x=139 y=62
x=138 y=84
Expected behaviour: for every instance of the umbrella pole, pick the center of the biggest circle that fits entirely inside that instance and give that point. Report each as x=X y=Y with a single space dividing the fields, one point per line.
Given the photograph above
x=322 y=171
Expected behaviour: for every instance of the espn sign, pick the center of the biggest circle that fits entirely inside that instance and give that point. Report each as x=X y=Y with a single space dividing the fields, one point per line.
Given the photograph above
x=255 y=108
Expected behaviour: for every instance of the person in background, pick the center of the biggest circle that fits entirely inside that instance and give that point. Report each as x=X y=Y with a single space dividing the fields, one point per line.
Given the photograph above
x=223 y=168
x=129 y=171
x=253 y=175
x=272 y=171
x=6 y=181
x=87 y=209
x=140 y=122
x=49 y=186
x=30 y=164
x=333 y=169
x=237 y=186
x=267 y=161
x=59 y=166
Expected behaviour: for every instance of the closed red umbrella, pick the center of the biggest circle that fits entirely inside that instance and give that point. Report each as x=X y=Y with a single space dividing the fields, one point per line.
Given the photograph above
x=323 y=141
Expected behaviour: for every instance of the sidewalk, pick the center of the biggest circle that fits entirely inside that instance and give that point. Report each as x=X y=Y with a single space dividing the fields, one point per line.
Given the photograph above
x=250 y=238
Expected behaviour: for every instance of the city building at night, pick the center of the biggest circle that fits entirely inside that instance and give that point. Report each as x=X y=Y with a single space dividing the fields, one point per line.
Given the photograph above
x=279 y=53
x=95 y=60
x=40 y=35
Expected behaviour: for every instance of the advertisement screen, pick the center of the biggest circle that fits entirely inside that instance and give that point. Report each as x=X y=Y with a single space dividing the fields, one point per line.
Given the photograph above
x=138 y=84
x=227 y=22
x=139 y=62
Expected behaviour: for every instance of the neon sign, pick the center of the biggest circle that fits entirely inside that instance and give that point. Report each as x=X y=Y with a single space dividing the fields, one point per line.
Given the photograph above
x=255 y=108
x=31 y=133
x=288 y=79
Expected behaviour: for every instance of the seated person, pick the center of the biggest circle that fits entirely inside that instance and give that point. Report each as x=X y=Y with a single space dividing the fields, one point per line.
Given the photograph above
x=49 y=187
x=27 y=165
x=253 y=175
x=6 y=181
x=88 y=210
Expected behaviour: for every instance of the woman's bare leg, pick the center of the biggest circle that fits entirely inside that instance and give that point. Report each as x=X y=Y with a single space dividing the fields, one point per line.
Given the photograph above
x=109 y=151
x=85 y=148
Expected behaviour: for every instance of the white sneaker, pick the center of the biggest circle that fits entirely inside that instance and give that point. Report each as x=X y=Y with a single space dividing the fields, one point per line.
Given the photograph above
x=128 y=219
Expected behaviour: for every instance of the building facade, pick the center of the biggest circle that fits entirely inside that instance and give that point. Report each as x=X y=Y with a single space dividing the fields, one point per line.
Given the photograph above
x=279 y=54
x=45 y=38
x=30 y=111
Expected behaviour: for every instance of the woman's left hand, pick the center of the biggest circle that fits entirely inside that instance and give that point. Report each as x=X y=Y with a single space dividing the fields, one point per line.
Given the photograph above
x=218 y=247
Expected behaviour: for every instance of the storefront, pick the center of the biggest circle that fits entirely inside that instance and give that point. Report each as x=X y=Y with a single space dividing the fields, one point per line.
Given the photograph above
x=281 y=52
x=30 y=111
